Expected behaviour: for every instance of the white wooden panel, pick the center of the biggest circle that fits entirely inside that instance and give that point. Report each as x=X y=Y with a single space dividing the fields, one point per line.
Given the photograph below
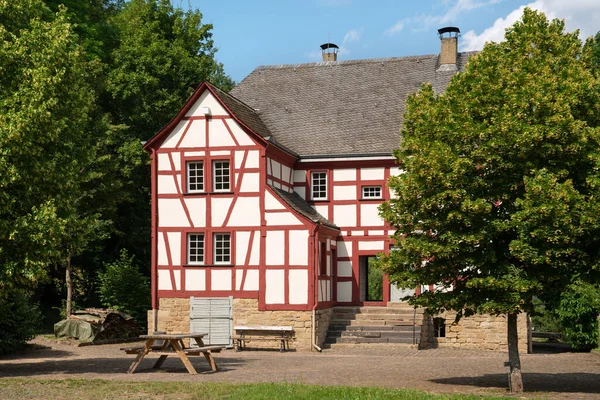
x=164 y=163
x=298 y=286
x=162 y=250
x=197 y=209
x=174 y=136
x=299 y=176
x=176 y=155
x=250 y=182
x=369 y=215
x=255 y=255
x=220 y=279
x=344 y=292
x=166 y=184
x=218 y=134
x=195 y=135
x=341 y=175
x=298 y=247
x=206 y=99
x=344 y=268
x=253 y=160
x=323 y=210
x=285 y=173
x=301 y=191
x=171 y=213
x=175 y=245
x=164 y=280
x=272 y=203
x=242 y=240
x=246 y=212
x=251 y=280
x=177 y=276
x=275 y=169
x=219 y=208
x=371 y=174
x=242 y=137
x=275 y=247
x=281 y=219
x=372 y=245
x=275 y=285
x=344 y=192
x=344 y=215
x=195 y=279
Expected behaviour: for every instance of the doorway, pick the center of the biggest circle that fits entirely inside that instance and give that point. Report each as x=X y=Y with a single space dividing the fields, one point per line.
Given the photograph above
x=371 y=279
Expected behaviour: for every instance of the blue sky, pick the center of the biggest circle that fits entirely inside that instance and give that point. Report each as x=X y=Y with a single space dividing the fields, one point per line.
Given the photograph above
x=250 y=33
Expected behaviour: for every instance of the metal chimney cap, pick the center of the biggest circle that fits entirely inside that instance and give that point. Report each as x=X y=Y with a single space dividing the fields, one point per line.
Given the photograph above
x=326 y=46
x=450 y=30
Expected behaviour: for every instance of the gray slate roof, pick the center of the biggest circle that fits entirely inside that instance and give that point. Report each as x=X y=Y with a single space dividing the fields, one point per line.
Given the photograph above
x=339 y=108
x=300 y=205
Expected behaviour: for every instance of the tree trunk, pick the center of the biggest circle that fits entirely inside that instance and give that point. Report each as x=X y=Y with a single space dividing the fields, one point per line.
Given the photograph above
x=515 y=380
x=69 y=283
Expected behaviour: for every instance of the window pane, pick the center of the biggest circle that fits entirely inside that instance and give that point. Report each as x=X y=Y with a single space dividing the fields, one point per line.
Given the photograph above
x=221 y=175
x=371 y=192
x=195 y=176
x=222 y=248
x=195 y=248
x=319 y=185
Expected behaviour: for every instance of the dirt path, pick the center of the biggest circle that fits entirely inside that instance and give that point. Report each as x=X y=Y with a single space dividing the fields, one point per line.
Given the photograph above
x=563 y=375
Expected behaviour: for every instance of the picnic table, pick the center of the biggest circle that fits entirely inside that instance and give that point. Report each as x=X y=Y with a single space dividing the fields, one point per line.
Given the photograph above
x=281 y=334
x=173 y=345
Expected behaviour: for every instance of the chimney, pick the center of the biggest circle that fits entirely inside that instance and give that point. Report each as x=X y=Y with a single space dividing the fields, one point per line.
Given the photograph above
x=329 y=51
x=449 y=50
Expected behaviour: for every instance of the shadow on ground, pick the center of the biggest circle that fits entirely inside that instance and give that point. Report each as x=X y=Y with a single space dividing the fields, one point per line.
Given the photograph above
x=533 y=382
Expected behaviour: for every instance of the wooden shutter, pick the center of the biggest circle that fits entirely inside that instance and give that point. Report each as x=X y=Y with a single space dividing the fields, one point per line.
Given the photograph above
x=213 y=316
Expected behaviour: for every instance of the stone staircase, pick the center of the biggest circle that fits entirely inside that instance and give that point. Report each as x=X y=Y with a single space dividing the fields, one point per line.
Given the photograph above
x=396 y=323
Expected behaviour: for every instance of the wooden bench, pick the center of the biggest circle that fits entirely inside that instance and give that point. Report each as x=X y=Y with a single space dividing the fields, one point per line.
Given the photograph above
x=197 y=351
x=281 y=334
x=551 y=336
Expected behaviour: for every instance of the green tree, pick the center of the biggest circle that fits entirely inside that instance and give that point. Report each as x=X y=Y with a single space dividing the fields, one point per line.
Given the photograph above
x=499 y=194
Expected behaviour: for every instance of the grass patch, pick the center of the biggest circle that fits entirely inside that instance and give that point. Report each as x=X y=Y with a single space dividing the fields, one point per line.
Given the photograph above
x=72 y=389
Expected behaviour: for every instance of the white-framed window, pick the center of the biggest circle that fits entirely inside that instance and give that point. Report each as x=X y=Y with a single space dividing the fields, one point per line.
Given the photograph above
x=371 y=192
x=222 y=248
x=195 y=176
x=221 y=176
x=195 y=248
x=319 y=185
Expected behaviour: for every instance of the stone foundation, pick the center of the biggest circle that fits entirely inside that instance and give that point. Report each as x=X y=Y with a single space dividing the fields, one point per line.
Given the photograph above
x=477 y=332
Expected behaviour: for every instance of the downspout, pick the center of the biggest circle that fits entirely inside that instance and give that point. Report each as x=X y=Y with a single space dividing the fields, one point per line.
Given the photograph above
x=316 y=290
x=154 y=238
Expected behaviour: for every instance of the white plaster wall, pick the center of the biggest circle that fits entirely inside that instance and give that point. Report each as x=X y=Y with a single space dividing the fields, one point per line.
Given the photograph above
x=369 y=215
x=371 y=245
x=242 y=240
x=219 y=208
x=220 y=279
x=255 y=255
x=344 y=268
x=344 y=292
x=177 y=276
x=206 y=99
x=174 y=136
x=250 y=182
x=344 y=249
x=371 y=174
x=341 y=175
x=395 y=171
x=298 y=247
x=164 y=280
x=344 y=215
x=218 y=135
x=271 y=203
x=281 y=219
x=241 y=136
x=375 y=233
x=286 y=173
x=275 y=247
x=175 y=245
x=275 y=286
x=195 y=135
x=195 y=279
x=251 y=280
x=194 y=153
x=246 y=212
x=238 y=158
x=301 y=191
x=275 y=168
x=299 y=176
x=253 y=160
x=221 y=153
x=171 y=213
x=176 y=155
x=162 y=250
x=298 y=286
x=197 y=209
x=323 y=210
x=164 y=163
x=344 y=192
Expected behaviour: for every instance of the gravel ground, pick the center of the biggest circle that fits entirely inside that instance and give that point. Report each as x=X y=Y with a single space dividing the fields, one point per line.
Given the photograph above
x=559 y=375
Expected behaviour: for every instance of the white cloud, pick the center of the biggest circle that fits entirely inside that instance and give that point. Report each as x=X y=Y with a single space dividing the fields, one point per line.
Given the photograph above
x=353 y=35
x=578 y=14
x=395 y=29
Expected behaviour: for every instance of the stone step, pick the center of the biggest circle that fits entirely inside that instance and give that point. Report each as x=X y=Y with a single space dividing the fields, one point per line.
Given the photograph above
x=387 y=345
x=378 y=310
x=373 y=322
x=379 y=328
x=361 y=340
x=373 y=334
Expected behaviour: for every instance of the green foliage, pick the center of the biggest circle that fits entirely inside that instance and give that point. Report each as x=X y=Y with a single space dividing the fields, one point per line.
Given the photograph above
x=544 y=318
x=122 y=287
x=577 y=313
x=500 y=188
x=19 y=320
x=374 y=280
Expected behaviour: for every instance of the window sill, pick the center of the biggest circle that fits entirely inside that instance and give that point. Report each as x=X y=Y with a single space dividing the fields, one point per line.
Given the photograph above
x=207 y=193
x=373 y=199
x=207 y=265
x=319 y=200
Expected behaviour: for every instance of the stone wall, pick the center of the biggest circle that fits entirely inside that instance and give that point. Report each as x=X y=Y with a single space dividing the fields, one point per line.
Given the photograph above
x=477 y=332
x=323 y=317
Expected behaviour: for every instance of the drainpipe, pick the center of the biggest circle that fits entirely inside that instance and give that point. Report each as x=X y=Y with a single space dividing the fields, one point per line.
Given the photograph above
x=316 y=292
x=154 y=237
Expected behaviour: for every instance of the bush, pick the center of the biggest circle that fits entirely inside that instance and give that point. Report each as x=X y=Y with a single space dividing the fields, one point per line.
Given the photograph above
x=122 y=287
x=577 y=313
x=19 y=321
